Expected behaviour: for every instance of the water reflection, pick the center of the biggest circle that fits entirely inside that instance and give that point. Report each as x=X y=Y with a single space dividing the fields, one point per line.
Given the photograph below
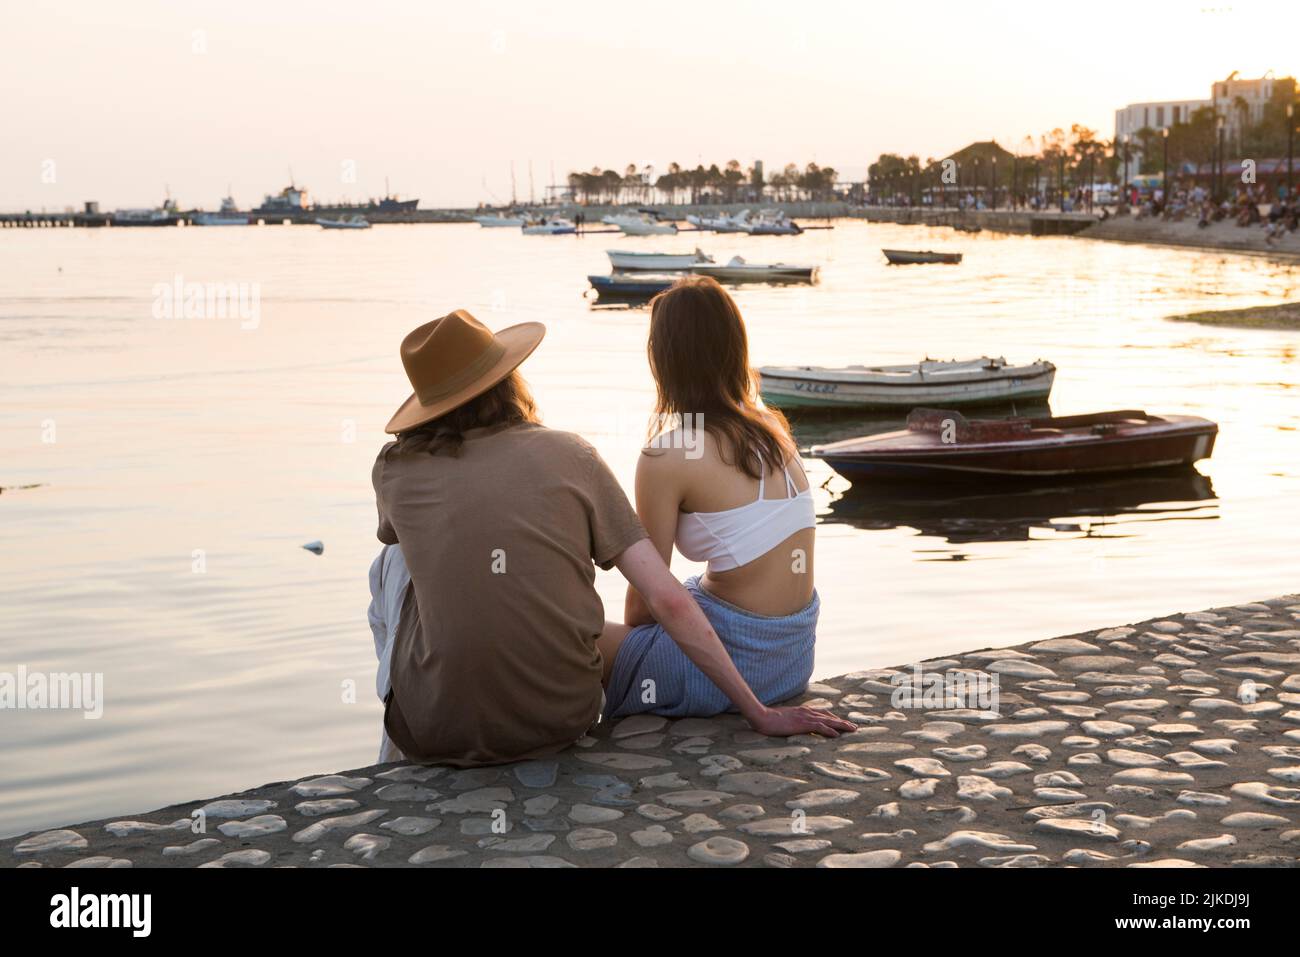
x=821 y=427
x=1092 y=509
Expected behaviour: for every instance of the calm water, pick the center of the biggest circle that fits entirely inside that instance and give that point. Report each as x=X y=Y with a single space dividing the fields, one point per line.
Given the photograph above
x=175 y=436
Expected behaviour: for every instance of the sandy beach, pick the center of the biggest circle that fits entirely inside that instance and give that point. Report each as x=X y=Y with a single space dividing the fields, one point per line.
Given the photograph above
x=1172 y=742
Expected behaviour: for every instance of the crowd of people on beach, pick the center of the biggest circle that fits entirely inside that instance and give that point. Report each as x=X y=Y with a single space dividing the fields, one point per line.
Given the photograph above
x=1249 y=205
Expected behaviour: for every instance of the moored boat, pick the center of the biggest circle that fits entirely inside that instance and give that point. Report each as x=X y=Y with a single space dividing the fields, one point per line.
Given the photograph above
x=165 y=215
x=229 y=215
x=355 y=221
x=644 y=223
x=773 y=222
x=722 y=223
x=982 y=381
x=942 y=445
x=550 y=227
x=737 y=270
x=912 y=257
x=628 y=261
x=629 y=288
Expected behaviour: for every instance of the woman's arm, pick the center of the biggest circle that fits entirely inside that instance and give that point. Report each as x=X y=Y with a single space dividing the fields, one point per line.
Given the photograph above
x=675 y=609
x=658 y=500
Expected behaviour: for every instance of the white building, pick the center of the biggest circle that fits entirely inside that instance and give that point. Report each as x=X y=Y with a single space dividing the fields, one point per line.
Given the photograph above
x=1156 y=116
x=1239 y=102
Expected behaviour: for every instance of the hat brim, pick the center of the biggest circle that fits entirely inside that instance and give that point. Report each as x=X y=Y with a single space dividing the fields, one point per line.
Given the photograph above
x=519 y=342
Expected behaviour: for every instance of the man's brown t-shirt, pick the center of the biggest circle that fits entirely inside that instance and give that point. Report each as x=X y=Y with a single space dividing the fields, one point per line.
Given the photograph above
x=495 y=654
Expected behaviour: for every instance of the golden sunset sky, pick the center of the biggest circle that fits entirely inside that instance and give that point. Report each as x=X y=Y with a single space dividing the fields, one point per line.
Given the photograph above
x=116 y=101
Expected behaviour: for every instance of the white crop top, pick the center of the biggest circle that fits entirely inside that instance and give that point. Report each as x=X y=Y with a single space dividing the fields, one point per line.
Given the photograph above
x=739 y=535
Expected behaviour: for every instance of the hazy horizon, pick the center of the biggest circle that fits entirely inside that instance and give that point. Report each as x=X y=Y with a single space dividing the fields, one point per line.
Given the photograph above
x=205 y=97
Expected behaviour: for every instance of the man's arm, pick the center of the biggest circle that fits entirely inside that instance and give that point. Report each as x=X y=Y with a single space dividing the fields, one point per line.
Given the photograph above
x=657 y=502
x=675 y=609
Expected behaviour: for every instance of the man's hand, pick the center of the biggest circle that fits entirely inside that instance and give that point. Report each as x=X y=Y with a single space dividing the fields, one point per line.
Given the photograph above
x=783 y=722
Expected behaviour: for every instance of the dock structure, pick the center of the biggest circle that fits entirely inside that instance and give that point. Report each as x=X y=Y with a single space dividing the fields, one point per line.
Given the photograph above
x=1033 y=222
x=44 y=220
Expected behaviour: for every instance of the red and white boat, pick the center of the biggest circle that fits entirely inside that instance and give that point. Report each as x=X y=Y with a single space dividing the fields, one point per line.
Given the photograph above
x=945 y=446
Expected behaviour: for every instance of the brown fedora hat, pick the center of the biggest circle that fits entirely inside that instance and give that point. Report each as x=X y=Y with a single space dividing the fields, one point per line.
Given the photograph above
x=454 y=359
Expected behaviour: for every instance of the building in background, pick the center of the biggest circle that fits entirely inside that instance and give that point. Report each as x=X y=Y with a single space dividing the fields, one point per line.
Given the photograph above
x=1241 y=104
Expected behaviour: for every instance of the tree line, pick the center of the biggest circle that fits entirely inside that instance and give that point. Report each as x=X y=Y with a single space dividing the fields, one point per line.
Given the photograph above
x=727 y=183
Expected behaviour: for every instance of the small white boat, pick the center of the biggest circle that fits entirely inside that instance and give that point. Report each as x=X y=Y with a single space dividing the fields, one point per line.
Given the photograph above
x=353 y=221
x=626 y=261
x=549 y=227
x=773 y=222
x=737 y=270
x=640 y=224
x=494 y=221
x=722 y=223
x=931 y=382
x=229 y=215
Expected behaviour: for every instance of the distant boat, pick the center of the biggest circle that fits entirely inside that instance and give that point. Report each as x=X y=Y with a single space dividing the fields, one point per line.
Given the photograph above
x=165 y=215
x=644 y=223
x=228 y=216
x=550 y=227
x=498 y=221
x=288 y=202
x=629 y=288
x=982 y=381
x=909 y=257
x=737 y=270
x=655 y=262
x=355 y=221
x=968 y=228
x=773 y=222
x=722 y=223
x=944 y=446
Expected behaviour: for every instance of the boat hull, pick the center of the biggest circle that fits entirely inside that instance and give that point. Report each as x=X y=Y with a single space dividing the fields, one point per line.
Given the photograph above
x=1178 y=442
x=806 y=389
x=652 y=262
x=635 y=290
x=907 y=257
x=731 y=274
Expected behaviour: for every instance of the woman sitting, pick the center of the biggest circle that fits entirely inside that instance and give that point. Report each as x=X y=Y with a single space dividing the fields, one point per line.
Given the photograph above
x=723 y=486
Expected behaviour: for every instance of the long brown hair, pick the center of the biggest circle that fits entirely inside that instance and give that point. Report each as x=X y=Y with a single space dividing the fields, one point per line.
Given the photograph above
x=699 y=356
x=509 y=402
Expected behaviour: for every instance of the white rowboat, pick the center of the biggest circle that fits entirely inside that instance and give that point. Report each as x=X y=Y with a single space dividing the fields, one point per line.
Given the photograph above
x=931 y=382
x=626 y=261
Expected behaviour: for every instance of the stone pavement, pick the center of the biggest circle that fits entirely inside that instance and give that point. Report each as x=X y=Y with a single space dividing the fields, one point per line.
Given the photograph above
x=1170 y=743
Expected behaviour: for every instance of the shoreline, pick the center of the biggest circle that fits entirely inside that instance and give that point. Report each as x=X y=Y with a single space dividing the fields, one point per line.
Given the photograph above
x=1284 y=317
x=1174 y=742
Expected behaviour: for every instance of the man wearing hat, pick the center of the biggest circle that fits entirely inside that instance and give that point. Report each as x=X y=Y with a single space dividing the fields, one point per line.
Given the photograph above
x=484 y=609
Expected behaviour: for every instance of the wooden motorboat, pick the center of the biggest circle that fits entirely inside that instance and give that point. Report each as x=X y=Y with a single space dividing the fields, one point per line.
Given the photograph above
x=626 y=261
x=629 y=288
x=913 y=257
x=942 y=445
x=982 y=381
x=737 y=270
